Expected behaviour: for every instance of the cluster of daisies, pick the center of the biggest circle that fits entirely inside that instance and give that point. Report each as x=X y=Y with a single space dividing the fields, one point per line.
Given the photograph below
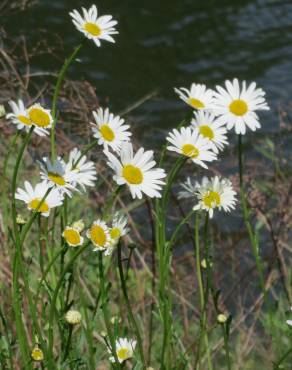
x=215 y=112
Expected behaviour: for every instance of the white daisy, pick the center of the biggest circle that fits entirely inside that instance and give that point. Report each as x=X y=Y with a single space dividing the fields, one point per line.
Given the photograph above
x=215 y=193
x=99 y=234
x=236 y=105
x=93 y=27
x=20 y=118
x=189 y=191
x=198 y=97
x=124 y=349
x=57 y=175
x=137 y=171
x=109 y=130
x=33 y=196
x=119 y=227
x=84 y=170
x=190 y=143
x=40 y=116
x=72 y=236
x=210 y=128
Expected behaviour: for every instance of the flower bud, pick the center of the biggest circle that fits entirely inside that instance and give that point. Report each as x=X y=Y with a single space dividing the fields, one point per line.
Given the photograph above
x=221 y=318
x=73 y=317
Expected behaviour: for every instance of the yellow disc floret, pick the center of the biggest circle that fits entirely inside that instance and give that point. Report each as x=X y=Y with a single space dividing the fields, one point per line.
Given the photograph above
x=132 y=174
x=115 y=233
x=123 y=353
x=92 y=28
x=39 y=117
x=56 y=178
x=37 y=354
x=211 y=199
x=34 y=203
x=190 y=150
x=98 y=235
x=196 y=103
x=107 y=133
x=238 y=107
x=25 y=120
x=71 y=236
x=206 y=131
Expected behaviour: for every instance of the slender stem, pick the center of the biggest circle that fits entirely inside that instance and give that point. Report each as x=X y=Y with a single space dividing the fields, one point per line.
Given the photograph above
x=11 y=148
x=23 y=344
x=51 y=362
x=201 y=289
x=277 y=365
x=130 y=312
x=60 y=79
x=68 y=343
x=246 y=216
x=106 y=312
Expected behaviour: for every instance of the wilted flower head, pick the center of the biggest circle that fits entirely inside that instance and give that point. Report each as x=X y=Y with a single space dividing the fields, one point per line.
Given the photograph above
x=72 y=236
x=40 y=116
x=37 y=354
x=73 y=317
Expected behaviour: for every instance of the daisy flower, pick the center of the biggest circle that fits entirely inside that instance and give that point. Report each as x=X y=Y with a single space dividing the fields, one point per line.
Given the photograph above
x=93 y=27
x=210 y=128
x=236 y=105
x=190 y=143
x=109 y=130
x=33 y=196
x=58 y=176
x=20 y=118
x=215 y=193
x=119 y=227
x=72 y=236
x=136 y=170
x=124 y=349
x=198 y=96
x=84 y=170
x=40 y=116
x=99 y=234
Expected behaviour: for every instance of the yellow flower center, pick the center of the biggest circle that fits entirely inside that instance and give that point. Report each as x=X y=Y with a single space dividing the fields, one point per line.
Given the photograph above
x=196 y=103
x=115 y=233
x=34 y=203
x=97 y=235
x=190 y=150
x=212 y=198
x=71 y=236
x=26 y=121
x=92 y=28
x=132 y=174
x=56 y=178
x=107 y=133
x=37 y=354
x=39 y=117
x=123 y=353
x=238 y=107
x=206 y=131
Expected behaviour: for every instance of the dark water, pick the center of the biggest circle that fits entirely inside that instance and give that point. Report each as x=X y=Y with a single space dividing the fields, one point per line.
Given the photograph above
x=163 y=44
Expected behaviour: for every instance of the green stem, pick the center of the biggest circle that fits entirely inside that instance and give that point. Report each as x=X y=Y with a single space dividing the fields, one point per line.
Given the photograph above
x=11 y=148
x=60 y=79
x=51 y=361
x=277 y=365
x=246 y=216
x=130 y=312
x=68 y=343
x=23 y=344
x=105 y=311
